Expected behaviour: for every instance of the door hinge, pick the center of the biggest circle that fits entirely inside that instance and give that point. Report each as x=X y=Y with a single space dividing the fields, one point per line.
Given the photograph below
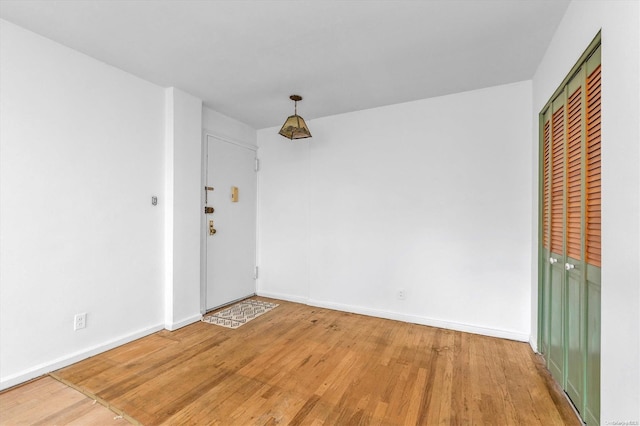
x=255 y=273
x=257 y=164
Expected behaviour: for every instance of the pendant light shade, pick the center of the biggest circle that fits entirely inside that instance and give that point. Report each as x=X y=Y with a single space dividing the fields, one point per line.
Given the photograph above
x=295 y=127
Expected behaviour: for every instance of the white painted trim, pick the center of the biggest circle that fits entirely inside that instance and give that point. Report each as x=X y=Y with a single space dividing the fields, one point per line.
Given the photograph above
x=204 y=150
x=179 y=324
x=168 y=203
x=415 y=319
x=282 y=296
x=258 y=221
x=56 y=364
x=208 y=133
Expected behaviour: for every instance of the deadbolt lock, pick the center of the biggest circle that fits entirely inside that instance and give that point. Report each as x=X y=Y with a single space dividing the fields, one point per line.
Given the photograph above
x=208 y=210
x=212 y=230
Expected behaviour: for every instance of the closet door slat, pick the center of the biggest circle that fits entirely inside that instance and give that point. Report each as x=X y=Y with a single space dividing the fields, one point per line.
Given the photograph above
x=546 y=172
x=593 y=169
x=557 y=182
x=574 y=174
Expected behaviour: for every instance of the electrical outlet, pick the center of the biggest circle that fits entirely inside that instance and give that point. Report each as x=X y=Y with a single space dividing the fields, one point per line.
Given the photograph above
x=401 y=294
x=79 y=321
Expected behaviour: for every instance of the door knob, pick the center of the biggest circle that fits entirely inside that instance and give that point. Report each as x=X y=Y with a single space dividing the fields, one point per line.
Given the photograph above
x=552 y=260
x=569 y=266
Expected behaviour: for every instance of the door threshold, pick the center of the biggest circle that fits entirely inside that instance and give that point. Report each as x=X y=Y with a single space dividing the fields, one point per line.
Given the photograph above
x=224 y=305
x=573 y=407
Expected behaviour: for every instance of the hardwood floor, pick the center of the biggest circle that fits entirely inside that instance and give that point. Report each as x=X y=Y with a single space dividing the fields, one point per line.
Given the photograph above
x=304 y=365
x=46 y=401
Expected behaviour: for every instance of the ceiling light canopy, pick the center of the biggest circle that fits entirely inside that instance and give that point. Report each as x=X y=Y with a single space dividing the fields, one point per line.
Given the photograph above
x=295 y=127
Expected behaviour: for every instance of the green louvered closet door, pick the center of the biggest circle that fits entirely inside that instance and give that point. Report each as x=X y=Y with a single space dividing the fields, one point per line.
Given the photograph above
x=569 y=263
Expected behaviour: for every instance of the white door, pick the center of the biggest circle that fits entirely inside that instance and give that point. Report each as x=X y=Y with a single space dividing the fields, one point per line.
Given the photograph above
x=231 y=250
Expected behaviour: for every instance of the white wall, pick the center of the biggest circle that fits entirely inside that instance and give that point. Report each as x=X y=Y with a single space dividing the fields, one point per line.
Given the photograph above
x=81 y=155
x=620 y=23
x=84 y=147
x=430 y=197
x=228 y=128
x=183 y=174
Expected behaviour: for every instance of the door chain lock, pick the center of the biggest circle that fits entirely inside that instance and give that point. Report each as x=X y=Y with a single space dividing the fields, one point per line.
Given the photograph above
x=212 y=230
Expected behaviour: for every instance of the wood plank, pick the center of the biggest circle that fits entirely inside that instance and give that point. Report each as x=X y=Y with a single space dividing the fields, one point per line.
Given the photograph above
x=46 y=401
x=304 y=365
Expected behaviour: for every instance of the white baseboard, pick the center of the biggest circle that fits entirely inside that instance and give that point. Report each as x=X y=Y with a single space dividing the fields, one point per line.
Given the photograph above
x=282 y=296
x=64 y=361
x=415 y=319
x=179 y=324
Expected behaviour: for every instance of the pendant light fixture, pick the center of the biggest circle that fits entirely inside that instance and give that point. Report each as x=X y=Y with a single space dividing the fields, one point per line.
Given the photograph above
x=295 y=127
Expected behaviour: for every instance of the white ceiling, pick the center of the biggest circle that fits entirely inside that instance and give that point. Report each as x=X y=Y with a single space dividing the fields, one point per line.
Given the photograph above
x=244 y=58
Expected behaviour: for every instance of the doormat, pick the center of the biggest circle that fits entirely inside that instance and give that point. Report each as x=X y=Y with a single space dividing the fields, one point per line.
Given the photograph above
x=240 y=313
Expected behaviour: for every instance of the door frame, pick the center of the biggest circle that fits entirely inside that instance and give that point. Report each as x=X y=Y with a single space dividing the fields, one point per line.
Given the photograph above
x=587 y=398
x=206 y=134
x=592 y=47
